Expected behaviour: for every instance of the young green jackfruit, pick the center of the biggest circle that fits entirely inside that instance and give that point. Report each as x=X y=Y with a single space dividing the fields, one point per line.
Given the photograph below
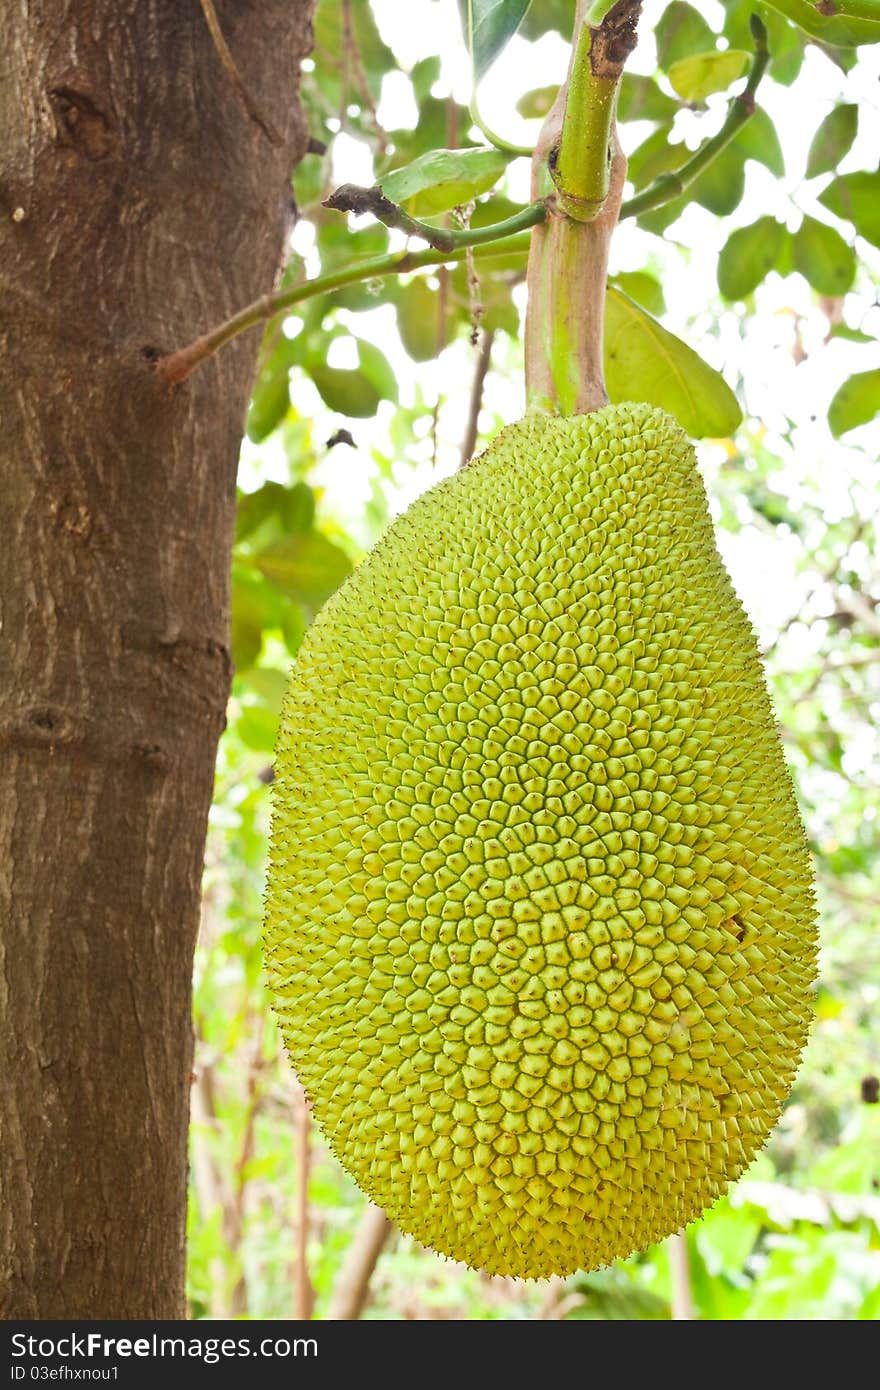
x=540 y=921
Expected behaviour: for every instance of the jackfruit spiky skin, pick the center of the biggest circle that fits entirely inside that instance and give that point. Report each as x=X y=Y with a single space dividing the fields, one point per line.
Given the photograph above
x=540 y=917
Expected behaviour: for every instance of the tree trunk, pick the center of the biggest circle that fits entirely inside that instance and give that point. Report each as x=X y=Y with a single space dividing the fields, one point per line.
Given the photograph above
x=140 y=203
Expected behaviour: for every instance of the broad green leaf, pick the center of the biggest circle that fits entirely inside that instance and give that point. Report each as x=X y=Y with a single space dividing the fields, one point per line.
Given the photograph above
x=640 y=99
x=841 y=24
x=443 y=179
x=377 y=369
x=786 y=43
x=293 y=506
x=248 y=620
x=270 y=684
x=758 y=140
x=823 y=257
x=699 y=75
x=749 y=254
x=645 y=362
x=423 y=76
x=720 y=187
x=488 y=25
x=645 y=289
x=681 y=31
x=257 y=726
x=832 y=140
x=856 y=197
x=852 y=335
x=535 y=104
x=418 y=309
x=855 y=403
x=655 y=156
x=346 y=391
x=307 y=569
x=547 y=15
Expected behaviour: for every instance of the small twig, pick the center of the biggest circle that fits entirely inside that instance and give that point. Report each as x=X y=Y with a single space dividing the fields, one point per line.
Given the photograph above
x=683 y=1309
x=353 y=1280
x=742 y=108
x=241 y=91
x=468 y=443
x=352 y=56
x=352 y=198
x=305 y=1294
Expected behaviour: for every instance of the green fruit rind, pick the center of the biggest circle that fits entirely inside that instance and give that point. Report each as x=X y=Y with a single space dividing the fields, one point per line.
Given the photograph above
x=540 y=920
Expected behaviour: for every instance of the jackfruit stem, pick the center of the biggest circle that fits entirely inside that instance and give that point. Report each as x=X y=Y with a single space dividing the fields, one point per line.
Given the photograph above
x=568 y=258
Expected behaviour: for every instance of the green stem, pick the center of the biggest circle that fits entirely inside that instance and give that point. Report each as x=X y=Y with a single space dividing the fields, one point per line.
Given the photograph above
x=582 y=163
x=494 y=139
x=177 y=366
x=742 y=108
x=568 y=258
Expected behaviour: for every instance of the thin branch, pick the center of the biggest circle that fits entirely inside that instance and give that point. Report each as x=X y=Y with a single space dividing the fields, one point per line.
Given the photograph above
x=241 y=91
x=468 y=444
x=177 y=366
x=353 y=1280
x=305 y=1295
x=351 y=198
x=670 y=186
x=683 y=1309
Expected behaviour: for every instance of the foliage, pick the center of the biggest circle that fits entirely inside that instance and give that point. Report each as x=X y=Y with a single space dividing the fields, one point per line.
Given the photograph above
x=795 y=240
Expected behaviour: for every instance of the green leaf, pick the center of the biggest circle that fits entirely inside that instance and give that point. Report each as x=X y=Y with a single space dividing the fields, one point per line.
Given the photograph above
x=248 y=620
x=823 y=257
x=655 y=156
x=758 y=140
x=257 y=726
x=442 y=179
x=307 y=569
x=842 y=27
x=640 y=99
x=488 y=26
x=749 y=254
x=547 y=15
x=698 y=76
x=645 y=362
x=852 y=335
x=293 y=506
x=721 y=185
x=855 y=403
x=681 y=31
x=832 y=140
x=418 y=308
x=645 y=289
x=269 y=684
x=535 y=104
x=377 y=369
x=856 y=197
x=346 y=391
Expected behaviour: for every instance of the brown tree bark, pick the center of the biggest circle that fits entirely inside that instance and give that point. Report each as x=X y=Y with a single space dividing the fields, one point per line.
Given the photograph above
x=141 y=201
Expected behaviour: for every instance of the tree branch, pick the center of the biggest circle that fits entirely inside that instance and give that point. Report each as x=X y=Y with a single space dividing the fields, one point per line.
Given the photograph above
x=669 y=186
x=468 y=444
x=177 y=366
x=353 y=1280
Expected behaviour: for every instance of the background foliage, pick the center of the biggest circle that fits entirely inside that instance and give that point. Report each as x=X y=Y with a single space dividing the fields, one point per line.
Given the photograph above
x=351 y=416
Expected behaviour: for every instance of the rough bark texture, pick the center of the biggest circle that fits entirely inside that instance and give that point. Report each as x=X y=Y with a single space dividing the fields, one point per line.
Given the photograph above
x=139 y=204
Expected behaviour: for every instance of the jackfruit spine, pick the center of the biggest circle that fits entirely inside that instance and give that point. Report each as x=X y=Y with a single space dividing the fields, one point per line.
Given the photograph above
x=540 y=917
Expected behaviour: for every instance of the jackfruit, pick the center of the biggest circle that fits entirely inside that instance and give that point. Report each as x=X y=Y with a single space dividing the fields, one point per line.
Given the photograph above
x=540 y=915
